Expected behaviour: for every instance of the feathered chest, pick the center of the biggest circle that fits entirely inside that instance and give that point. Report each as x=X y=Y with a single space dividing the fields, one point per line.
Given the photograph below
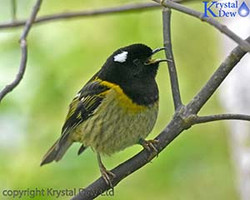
x=117 y=123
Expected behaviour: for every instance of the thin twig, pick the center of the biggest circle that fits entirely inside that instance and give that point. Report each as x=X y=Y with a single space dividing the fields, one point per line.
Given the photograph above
x=216 y=79
x=89 y=13
x=166 y=16
x=85 y=13
x=222 y=28
x=23 y=44
x=13 y=10
x=211 y=118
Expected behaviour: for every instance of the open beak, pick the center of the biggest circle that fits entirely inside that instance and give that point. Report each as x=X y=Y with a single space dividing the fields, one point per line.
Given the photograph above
x=153 y=61
x=158 y=50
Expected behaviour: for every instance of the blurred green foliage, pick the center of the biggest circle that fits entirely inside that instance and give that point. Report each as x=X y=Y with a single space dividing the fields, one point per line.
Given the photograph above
x=62 y=57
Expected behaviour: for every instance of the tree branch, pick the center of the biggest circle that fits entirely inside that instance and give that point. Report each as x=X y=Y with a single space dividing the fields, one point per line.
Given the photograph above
x=211 y=118
x=13 y=10
x=88 y=13
x=166 y=17
x=183 y=119
x=216 y=79
x=133 y=164
x=23 y=44
x=222 y=28
x=85 y=13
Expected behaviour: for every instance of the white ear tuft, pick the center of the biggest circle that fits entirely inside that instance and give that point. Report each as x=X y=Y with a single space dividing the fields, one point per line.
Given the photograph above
x=121 y=57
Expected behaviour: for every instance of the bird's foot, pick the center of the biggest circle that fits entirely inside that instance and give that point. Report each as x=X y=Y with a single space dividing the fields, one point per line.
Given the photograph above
x=150 y=145
x=107 y=176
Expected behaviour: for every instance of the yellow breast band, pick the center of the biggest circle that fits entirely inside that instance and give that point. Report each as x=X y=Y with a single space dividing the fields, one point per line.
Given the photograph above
x=123 y=99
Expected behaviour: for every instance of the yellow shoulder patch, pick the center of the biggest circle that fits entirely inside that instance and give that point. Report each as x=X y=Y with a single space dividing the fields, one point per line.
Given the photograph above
x=123 y=99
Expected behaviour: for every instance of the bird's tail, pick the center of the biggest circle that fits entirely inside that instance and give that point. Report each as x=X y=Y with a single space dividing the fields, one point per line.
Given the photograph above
x=57 y=151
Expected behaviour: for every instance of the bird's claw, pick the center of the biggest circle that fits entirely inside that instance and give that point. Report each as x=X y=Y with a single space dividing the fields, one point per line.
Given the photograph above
x=150 y=145
x=107 y=176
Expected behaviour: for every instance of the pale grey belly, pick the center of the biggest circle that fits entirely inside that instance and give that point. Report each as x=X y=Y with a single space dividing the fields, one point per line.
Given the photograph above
x=113 y=128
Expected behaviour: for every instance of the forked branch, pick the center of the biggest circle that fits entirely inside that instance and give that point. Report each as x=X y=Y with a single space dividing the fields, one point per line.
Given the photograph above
x=24 y=52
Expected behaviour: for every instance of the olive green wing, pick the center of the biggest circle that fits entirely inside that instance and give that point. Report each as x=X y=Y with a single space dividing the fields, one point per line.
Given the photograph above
x=83 y=106
x=80 y=109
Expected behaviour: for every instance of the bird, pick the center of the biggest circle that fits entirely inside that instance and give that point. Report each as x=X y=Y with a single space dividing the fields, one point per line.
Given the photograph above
x=115 y=109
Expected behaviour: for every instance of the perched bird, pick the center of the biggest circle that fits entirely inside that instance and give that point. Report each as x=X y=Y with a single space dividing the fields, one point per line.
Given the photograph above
x=116 y=108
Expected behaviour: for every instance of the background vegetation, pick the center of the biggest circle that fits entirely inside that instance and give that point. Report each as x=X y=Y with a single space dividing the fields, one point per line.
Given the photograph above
x=62 y=57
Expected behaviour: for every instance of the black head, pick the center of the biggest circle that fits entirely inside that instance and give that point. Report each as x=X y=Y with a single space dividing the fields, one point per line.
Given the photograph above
x=131 y=54
x=133 y=69
x=130 y=62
